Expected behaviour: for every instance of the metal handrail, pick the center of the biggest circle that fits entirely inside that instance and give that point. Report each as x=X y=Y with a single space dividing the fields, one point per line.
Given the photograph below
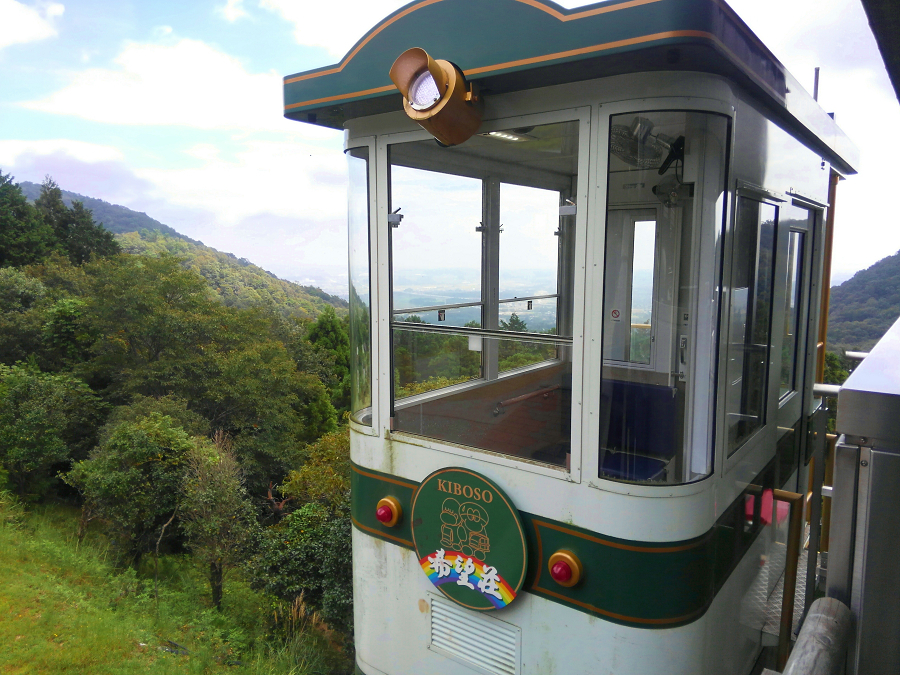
x=482 y=332
x=432 y=308
x=826 y=390
x=478 y=303
x=822 y=642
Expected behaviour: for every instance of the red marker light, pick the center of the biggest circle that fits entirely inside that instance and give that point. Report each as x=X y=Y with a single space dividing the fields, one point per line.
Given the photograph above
x=565 y=568
x=388 y=511
x=384 y=514
x=561 y=571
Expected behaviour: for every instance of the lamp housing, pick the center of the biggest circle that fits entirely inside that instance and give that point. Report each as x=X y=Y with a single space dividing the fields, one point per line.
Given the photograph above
x=437 y=96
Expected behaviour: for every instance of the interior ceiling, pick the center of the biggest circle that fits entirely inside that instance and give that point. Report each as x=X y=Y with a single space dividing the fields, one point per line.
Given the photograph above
x=884 y=18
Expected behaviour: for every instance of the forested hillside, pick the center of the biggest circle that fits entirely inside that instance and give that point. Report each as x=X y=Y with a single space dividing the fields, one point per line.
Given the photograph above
x=865 y=306
x=237 y=282
x=117 y=219
x=177 y=420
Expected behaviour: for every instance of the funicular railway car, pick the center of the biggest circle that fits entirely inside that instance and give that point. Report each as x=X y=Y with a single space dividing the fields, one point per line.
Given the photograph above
x=586 y=252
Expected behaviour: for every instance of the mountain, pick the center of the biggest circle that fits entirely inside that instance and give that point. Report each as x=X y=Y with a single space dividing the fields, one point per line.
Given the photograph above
x=865 y=306
x=237 y=281
x=117 y=219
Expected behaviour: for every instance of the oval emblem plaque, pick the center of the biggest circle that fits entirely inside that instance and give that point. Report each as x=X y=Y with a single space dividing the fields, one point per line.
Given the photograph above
x=469 y=539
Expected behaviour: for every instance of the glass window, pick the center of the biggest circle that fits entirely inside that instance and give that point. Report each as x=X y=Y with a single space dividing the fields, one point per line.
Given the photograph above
x=482 y=266
x=628 y=293
x=749 y=334
x=665 y=205
x=360 y=299
x=791 y=314
x=436 y=248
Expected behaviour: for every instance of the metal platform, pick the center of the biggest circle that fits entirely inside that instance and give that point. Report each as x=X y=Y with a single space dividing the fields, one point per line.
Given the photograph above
x=761 y=608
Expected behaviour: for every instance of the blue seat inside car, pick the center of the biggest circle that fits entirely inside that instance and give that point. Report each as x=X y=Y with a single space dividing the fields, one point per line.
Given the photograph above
x=638 y=434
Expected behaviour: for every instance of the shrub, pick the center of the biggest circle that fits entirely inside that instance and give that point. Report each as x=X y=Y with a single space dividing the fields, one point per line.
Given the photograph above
x=325 y=474
x=44 y=419
x=132 y=481
x=308 y=554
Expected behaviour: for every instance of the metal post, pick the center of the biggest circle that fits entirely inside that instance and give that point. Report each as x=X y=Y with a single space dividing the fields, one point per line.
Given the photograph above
x=814 y=510
x=826 y=278
x=843 y=516
x=826 y=502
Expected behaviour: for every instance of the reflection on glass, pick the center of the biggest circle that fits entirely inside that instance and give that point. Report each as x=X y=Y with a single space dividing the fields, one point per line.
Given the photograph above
x=360 y=314
x=529 y=316
x=791 y=314
x=524 y=414
x=425 y=361
x=753 y=263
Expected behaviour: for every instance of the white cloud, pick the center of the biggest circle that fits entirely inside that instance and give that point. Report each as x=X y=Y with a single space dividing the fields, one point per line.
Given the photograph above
x=286 y=179
x=315 y=24
x=233 y=10
x=22 y=23
x=185 y=83
x=12 y=150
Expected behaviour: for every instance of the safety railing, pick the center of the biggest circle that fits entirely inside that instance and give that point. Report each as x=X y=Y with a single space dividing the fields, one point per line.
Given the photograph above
x=822 y=644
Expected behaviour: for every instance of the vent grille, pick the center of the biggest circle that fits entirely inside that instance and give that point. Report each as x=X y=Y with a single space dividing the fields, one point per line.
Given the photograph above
x=486 y=644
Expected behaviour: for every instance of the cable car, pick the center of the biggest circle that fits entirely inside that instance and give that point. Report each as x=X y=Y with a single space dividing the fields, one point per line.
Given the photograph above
x=586 y=259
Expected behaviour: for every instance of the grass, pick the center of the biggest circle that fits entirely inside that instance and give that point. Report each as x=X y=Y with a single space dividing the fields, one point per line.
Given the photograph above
x=64 y=608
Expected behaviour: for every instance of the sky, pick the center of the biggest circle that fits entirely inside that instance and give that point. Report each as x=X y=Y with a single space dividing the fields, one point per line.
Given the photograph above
x=175 y=108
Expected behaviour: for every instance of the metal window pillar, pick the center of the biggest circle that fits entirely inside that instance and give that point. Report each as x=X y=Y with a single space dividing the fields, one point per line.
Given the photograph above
x=490 y=273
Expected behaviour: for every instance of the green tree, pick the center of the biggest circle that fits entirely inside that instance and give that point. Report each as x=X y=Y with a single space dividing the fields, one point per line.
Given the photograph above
x=308 y=554
x=153 y=322
x=836 y=369
x=171 y=406
x=132 y=481
x=325 y=475
x=22 y=302
x=514 y=323
x=66 y=341
x=328 y=333
x=257 y=396
x=24 y=236
x=159 y=332
x=74 y=228
x=216 y=514
x=44 y=420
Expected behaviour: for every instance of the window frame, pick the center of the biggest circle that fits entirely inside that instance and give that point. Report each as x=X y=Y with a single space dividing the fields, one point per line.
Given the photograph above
x=595 y=292
x=764 y=438
x=790 y=405
x=582 y=116
x=369 y=142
